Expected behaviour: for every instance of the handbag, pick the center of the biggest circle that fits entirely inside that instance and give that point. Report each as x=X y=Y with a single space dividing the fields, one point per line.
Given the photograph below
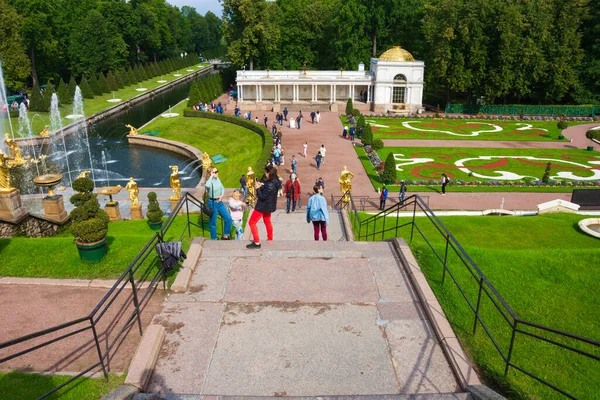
x=206 y=209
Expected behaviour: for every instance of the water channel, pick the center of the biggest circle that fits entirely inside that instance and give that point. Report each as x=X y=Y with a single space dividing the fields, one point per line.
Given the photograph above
x=115 y=160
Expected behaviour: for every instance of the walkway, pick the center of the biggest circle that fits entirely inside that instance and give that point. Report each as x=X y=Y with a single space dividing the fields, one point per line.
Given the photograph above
x=298 y=318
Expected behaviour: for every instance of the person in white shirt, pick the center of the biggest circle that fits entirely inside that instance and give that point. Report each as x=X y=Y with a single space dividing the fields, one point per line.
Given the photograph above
x=322 y=150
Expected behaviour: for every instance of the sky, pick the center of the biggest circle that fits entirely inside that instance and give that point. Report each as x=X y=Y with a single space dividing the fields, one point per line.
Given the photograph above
x=202 y=6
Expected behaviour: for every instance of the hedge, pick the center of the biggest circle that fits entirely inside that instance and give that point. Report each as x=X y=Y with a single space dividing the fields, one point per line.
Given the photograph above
x=258 y=129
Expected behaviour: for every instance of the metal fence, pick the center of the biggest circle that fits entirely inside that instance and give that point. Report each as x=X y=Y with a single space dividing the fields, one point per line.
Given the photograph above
x=520 y=109
x=142 y=277
x=501 y=324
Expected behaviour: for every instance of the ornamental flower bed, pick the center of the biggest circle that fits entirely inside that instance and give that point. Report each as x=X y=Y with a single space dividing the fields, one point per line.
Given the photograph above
x=485 y=117
x=491 y=183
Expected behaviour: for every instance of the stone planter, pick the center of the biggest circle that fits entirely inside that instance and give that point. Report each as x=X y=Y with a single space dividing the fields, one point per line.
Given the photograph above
x=590 y=148
x=92 y=252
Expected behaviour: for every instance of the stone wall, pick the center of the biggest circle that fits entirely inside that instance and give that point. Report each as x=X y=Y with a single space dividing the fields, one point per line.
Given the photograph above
x=31 y=226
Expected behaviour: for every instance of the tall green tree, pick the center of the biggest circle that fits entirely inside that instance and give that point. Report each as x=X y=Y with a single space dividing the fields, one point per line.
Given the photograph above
x=71 y=91
x=36 y=101
x=86 y=89
x=118 y=80
x=13 y=59
x=93 y=82
x=103 y=83
x=251 y=29
x=112 y=82
x=49 y=91
x=62 y=92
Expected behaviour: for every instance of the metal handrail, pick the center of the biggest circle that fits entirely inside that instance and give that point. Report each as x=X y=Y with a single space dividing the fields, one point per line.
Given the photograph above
x=93 y=318
x=485 y=287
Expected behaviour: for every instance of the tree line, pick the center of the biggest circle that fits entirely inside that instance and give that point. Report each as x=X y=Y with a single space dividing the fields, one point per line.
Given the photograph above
x=535 y=51
x=53 y=39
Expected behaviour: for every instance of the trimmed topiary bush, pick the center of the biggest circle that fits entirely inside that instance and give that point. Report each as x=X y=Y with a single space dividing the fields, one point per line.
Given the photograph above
x=62 y=93
x=592 y=134
x=112 y=82
x=546 y=177
x=154 y=213
x=103 y=83
x=89 y=221
x=377 y=144
x=36 y=101
x=71 y=91
x=562 y=125
x=367 y=137
x=86 y=89
x=349 y=107
x=389 y=168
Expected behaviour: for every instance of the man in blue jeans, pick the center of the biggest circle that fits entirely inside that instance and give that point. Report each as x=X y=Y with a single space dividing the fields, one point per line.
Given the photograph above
x=215 y=191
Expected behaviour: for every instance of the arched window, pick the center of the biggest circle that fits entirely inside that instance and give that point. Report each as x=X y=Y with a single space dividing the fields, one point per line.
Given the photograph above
x=400 y=78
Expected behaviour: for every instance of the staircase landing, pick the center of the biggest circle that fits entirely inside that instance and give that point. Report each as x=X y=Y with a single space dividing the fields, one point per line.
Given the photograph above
x=299 y=318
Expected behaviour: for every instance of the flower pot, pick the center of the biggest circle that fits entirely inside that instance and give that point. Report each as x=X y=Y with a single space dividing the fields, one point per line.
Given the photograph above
x=92 y=252
x=155 y=226
x=590 y=148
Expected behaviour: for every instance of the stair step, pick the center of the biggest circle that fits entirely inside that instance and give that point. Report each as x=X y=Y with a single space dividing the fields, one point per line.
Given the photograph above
x=424 y=396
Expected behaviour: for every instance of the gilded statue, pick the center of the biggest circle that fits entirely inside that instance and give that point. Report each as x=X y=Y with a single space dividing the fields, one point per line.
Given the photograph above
x=84 y=174
x=206 y=163
x=132 y=130
x=15 y=150
x=134 y=192
x=5 y=173
x=45 y=132
x=175 y=183
x=250 y=184
x=346 y=184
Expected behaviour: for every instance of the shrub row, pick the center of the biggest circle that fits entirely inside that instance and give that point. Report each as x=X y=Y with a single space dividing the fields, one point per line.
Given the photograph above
x=258 y=129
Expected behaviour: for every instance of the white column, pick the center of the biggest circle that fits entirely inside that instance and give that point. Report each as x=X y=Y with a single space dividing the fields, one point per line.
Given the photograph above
x=316 y=92
x=334 y=92
x=330 y=93
x=352 y=92
x=278 y=92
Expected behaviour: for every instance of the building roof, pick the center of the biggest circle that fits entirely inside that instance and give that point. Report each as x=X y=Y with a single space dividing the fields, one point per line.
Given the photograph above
x=396 y=53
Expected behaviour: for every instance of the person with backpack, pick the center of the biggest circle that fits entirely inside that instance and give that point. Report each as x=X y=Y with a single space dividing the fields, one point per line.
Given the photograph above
x=292 y=192
x=317 y=213
x=318 y=159
x=383 y=198
x=445 y=181
x=266 y=204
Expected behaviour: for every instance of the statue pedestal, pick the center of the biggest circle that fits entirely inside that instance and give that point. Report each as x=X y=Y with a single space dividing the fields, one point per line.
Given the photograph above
x=174 y=204
x=10 y=205
x=54 y=208
x=136 y=212
x=113 y=211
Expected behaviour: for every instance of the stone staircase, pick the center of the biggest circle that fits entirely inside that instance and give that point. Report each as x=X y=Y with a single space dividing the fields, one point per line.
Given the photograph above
x=299 y=318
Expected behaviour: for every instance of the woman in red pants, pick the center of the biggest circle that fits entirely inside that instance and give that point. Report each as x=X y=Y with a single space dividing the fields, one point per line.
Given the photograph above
x=266 y=193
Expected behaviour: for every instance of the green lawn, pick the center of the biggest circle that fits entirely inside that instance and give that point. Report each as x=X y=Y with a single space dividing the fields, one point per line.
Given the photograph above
x=99 y=103
x=20 y=386
x=240 y=146
x=459 y=129
x=421 y=168
x=546 y=270
x=57 y=256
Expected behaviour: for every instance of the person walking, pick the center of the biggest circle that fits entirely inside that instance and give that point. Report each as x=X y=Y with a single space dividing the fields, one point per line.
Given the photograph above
x=319 y=159
x=312 y=117
x=383 y=197
x=294 y=163
x=320 y=182
x=323 y=150
x=215 y=191
x=285 y=113
x=304 y=148
x=318 y=117
x=236 y=208
x=265 y=119
x=299 y=120
x=402 y=192
x=266 y=193
x=317 y=213
x=445 y=181
x=292 y=192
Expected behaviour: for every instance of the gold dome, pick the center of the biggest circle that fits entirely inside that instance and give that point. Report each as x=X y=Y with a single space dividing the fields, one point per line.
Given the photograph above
x=396 y=53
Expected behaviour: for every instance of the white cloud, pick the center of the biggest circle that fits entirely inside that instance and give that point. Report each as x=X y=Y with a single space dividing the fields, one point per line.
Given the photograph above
x=202 y=6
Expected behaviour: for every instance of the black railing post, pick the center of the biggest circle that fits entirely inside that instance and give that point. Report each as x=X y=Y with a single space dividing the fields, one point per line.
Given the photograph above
x=446 y=258
x=98 y=347
x=478 y=303
x=135 y=301
x=412 y=227
x=187 y=211
x=510 y=348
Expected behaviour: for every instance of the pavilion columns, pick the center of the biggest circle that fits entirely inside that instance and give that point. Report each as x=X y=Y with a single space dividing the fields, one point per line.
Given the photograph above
x=240 y=92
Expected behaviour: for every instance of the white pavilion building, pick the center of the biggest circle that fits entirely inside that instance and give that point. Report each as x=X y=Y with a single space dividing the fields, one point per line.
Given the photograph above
x=393 y=83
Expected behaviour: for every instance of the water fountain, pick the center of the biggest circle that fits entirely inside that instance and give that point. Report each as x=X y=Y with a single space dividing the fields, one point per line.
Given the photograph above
x=56 y=126
x=105 y=168
x=161 y=80
x=4 y=100
x=81 y=142
x=113 y=100
x=169 y=114
x=24 y=132
x=141 y=89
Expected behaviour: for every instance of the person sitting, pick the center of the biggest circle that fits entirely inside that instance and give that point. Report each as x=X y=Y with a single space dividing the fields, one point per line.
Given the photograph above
x=14 y=106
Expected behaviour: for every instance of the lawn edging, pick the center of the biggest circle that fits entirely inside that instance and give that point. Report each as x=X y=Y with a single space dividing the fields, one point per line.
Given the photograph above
x=458 y=360
x=256 y=128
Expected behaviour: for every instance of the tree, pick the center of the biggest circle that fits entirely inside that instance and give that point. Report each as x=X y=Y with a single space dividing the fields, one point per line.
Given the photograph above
x=131 y=77
x=389 y=170
x=63 y=93
x=112 y=82
x=36 y=101
x=13 y=60
x=138 y=75
x=103 y=83
x=351 y=44
x=546 y=177
x=50 y=90
x=592 y=134
x=349 y=107
x=124 y=77
x=251 y=30
x=95 y=85
x=367 y=137
x=562 y=125
x=86 y=89
x=118 y=80
x=143 y=73
x=71 y=90
x=89 y=223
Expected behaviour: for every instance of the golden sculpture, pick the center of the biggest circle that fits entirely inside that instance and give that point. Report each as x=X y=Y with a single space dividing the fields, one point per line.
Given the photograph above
x=132 y=130
x=45 y=132
x=15 y=150
x=250 y=184
x=84 y=174
x=134 y=192
x=206 y=161
x=346 y=184
x=5 y=173
x=175 y=183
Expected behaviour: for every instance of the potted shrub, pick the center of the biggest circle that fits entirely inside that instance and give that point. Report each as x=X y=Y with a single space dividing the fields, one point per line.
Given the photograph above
x=154 y=213
x=89 y=221
x=592 y=134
